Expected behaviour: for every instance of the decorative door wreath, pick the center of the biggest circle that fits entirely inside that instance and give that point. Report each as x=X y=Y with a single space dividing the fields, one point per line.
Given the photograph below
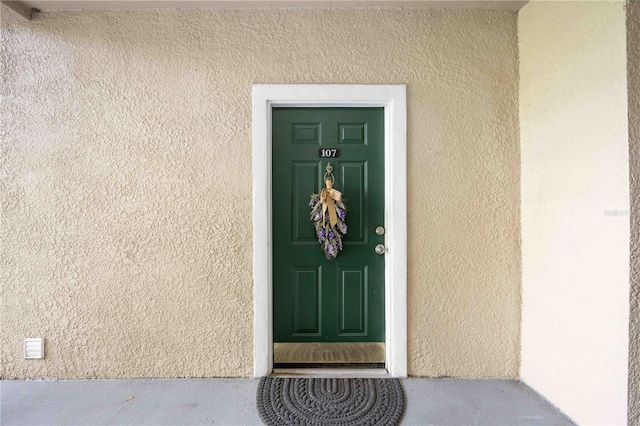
x=329 y=203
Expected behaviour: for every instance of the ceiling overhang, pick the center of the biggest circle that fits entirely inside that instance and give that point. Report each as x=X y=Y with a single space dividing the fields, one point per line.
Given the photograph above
x=66 y=5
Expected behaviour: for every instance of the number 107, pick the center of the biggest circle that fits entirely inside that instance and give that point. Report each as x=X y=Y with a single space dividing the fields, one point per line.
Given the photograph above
x=329 y=153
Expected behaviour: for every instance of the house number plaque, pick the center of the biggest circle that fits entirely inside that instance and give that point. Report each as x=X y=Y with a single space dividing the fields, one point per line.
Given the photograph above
x=329 y=153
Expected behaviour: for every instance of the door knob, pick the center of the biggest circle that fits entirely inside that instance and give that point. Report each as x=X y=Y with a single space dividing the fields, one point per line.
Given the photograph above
x=380 y=249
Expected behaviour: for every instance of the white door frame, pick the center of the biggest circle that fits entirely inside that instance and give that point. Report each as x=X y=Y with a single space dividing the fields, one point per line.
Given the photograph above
x=393 y=99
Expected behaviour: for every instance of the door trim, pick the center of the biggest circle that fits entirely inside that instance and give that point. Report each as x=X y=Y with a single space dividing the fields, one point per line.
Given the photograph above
x=393 y=99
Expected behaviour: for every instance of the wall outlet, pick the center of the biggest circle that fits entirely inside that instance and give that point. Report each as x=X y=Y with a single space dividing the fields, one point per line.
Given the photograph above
x=34 y=348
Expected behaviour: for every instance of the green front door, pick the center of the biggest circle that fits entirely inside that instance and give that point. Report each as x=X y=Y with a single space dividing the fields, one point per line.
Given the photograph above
x=314 y=299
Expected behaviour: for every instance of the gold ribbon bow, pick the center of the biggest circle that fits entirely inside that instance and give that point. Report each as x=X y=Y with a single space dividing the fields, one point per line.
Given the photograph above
x=328 y=196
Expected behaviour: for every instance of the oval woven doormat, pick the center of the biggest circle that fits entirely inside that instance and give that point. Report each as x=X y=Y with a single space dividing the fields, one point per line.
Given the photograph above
x=335 y=402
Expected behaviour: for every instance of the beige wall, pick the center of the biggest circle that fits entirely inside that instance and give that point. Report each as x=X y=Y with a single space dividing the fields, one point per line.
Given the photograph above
x=126 y=157
x=575 y=206
x=633 y=81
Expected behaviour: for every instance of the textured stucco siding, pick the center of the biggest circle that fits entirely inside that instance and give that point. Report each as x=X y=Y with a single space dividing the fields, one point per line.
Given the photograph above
x=126 y=182
x=633 y=82
x=575 y=206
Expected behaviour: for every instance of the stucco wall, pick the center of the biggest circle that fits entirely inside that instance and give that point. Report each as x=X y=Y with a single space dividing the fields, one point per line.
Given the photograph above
x=633 y=82
x=575 y=206
x=126 y=157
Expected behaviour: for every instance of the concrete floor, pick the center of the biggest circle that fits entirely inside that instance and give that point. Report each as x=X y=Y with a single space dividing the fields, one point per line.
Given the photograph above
x=232 y=402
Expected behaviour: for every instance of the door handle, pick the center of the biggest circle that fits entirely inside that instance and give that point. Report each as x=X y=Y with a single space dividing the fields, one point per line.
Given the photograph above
x=380 y=249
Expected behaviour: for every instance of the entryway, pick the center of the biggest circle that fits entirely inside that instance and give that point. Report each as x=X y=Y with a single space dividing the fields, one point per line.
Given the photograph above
x=328 y=273
x=335 y=302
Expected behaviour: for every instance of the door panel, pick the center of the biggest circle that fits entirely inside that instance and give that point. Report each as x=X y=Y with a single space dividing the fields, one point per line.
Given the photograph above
x=306 y=133
x=305 y=176
x=306 y=300
x=316 y=300
x=352 y=301
x=353 y=133
x=352 y=181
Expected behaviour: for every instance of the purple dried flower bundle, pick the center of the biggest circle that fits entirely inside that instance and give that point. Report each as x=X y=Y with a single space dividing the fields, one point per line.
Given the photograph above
x=330 y=238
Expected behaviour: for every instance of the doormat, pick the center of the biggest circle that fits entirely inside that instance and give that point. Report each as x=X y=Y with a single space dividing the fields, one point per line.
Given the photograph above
x=335 y=402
